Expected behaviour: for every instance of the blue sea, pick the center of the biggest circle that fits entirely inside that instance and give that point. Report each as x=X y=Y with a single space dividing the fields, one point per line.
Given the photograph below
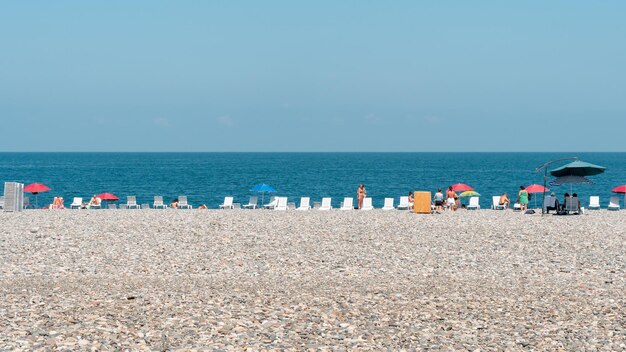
x=208 y=177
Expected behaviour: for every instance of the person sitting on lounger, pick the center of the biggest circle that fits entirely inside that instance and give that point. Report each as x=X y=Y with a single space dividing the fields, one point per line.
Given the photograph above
x=174 y=204
x=411 y=199
x=57 y=203
x=562 y=205
x=575 y=196
x=504 y=200
x=95 y=201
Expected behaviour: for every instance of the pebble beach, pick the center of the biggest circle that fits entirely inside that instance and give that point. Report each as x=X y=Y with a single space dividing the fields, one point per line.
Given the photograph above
x=341 y=280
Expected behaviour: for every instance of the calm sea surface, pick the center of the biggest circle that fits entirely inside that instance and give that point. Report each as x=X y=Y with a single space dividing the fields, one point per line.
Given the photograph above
x=208 y=177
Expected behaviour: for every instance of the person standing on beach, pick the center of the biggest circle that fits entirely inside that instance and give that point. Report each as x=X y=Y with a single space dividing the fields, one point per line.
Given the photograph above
x=522 y=198
x=360 y=194
x=451 y=198
x=438 y=198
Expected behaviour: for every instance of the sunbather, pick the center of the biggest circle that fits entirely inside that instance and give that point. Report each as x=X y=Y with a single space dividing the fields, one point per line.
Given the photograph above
x=360 y=193
x=504 y=200
x=174 y=204
x=95 y=201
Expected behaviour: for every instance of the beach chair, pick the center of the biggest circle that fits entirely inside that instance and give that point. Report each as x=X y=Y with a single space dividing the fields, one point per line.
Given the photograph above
x=305 y=203
x=495 y=203
x=131 y=203
x=404 y=203
x=27 y=204
x=252 y=203
x=77 y=203
x=367 y=204
x=158 y=203
x=112 y=206
x=348 y=204
x=594 y=203
x=388 y=204
x=614 y=204
x=517 y=207
x=272 y=203
x=122 y=206
x=326 y=204
x=550 y=203
x=571 y=205
x=281 y=204
x=183 y=204
x=474 y=203
x=228 y=203
x=1 y=202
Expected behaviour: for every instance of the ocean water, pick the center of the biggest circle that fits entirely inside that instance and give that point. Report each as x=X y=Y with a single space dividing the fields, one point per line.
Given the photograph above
x=208 y=177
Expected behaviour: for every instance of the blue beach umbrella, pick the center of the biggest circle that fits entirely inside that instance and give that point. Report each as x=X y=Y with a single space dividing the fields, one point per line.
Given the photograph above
x=263 y=188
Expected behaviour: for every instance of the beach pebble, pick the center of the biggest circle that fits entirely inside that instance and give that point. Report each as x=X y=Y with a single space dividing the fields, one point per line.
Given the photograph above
x=264 y=280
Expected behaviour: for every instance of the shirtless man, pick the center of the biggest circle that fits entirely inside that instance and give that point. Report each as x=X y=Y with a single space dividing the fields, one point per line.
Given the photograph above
x=451 y=198
x=504 y=200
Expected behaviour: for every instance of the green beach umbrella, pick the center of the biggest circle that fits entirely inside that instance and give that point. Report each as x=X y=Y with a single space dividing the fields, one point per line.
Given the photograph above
x=577 y=168
x=467 y=194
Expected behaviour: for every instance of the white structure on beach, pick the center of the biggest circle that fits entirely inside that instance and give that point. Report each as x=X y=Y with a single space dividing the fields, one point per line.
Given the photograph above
x=13 y=196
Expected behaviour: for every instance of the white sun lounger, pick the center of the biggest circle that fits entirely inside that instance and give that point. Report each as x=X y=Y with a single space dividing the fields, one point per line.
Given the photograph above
x=367 y=204
x=305 y=203
x=326 y=204
x=252 y=203
x=158 y=203
x=77 y=203
x=131 y=202
x=517 y=207
x=389 y=204
x=614 y=204
x=404 y=203
x=495 y=203
x=272 y=203
x=182 y=203
x=281 y=204
x=348 y=204
x=474 y=203
x=594 y=202
x=228 y=203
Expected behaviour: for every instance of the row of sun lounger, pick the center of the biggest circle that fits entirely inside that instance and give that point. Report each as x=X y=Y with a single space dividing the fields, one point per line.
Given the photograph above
x=281 y=203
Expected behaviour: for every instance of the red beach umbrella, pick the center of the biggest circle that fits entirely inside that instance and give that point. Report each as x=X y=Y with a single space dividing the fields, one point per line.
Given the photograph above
x=619 y=189
x=536 y=189
x=36 y=188
x=107 y=196
x=461 y=187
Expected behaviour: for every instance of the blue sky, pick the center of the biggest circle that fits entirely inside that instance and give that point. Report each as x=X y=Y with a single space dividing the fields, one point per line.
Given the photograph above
x=321 y=76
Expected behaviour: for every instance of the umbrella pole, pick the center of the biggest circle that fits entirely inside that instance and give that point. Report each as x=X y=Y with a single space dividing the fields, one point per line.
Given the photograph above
x=36 y=200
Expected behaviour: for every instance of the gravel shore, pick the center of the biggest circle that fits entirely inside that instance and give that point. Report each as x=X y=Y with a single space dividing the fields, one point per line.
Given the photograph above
x=234 y=280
